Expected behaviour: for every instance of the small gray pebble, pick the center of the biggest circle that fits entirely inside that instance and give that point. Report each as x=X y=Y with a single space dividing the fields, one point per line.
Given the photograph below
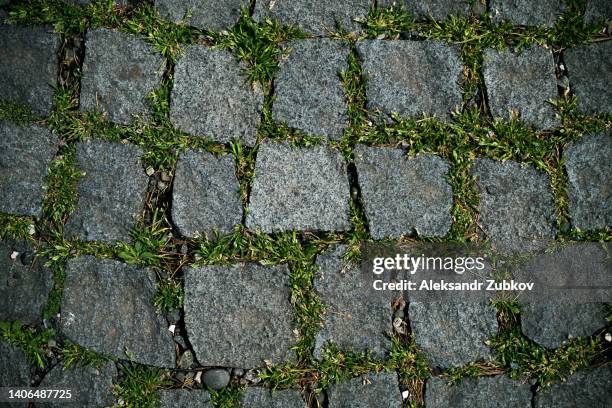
x=174 y=316
x=184 y=249
x=399 y=314
x=180 y=341
x=216 y=378
x=186 y=360
x=27 y=258
x=237 y=372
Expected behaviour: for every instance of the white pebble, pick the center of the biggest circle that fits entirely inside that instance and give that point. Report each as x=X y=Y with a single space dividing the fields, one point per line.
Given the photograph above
x=14 y=255
x=171 y=328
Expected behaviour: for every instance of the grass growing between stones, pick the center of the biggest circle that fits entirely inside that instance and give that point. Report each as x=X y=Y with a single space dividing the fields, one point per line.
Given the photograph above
x=75 y=355
x=137 y=387
x=33 y=342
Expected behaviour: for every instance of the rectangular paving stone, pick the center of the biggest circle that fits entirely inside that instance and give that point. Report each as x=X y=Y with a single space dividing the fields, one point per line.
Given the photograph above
x=589 y=69
x=14 y=368
x=522 y=84
x=517 y=209
x=589 y=388
x=479 y=392
x=206 y=194
x=256 y=397
x=111 y=192
x=309 y=95
x=298 y=189
x=28 y=71
x=204 y=14
x=424 y=9
x=319 y=18
x=211 y=96
x=26 y=153
x=184 y=399
x=403 y=195
x=411 y=78
x=239 y=315
x=371 y=390
x=526 y=12
x=119 y=72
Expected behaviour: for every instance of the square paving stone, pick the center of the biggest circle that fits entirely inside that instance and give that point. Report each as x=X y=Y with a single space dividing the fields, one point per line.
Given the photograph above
x=340 y=289
x=402 y=195
x=184 y=399
x=479 y=392
x=119 y=72
x=589 y=170
x=212 y=97
x=257 y=397
x=526 y=12
x=107 y=306
x=206 y=194
x=204 y=14
x=598 y=10
x=239 y=315
x=372 y=390
x=590 y=388
x=28 y=71
x=517 y=208
x=411 y=78
x=424 y=9
x=299 y=189
x=308 y=89
x=111 y=193
x=314 y=17
x=24 y=283
x=589 y=69
x=26 y=153
x=453 y=334
x=14 y=368
x=522 y=84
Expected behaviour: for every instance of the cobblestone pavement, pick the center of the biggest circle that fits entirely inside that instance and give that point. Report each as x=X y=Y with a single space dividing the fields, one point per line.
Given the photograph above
x=186 y=189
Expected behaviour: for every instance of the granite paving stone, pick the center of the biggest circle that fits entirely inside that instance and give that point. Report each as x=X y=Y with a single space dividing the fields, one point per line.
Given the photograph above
x=589 y=69
x=206 y=194
x=598 y=10
x=107 y=306
x=256 y=397
x=302 y=188
x=517 y=209
x=425 y=9
x=119 y=72
x=211 y=96
x=28 y=71
x=590 y=388
x=371 y=390
x=452 y=334
x=411 y=78
x=184 y=399
x=526 y=12
x=479 y=392
x=204 y=14
x=26 y=153
x=309 y=95
x=402 y=195
x=111 y=192
x=14 y=367
x=521 y=84
x=239 y=315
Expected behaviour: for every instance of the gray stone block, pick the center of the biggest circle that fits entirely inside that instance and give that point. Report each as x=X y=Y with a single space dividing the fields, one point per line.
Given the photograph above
x=425 y=9
x=526 y=12
x=590 y=73
x=26 y=153
x=14 y=368
x=372 y=390
x=107 y=306
x=204 y=14
x=592 y=388
x=314 y=17
x=211 y=96
x=598 y=10
x=480 y=392
x=119 y=72
x=256 y=397
x=402 y=195
x=521 y=84
x=28 y=71
x=239 y=315
x=111 y=193
x=517 y=209
x=298 y=189
x=453 y=334
x=184 y=399
x=411 y=78
x=308 y=89
x=206 y=194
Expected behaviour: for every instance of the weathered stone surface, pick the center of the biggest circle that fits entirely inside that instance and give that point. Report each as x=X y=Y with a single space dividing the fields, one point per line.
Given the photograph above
x=403 y=195
x=592 y=388
x=211 y=96
x=184 y=399
x=590 y=72
x=411 y=78
x=522 y=84
x=308 y=89
x=111 y=192
x=453 y=334
x=28 y=71
x=550 y=323
x=24 y=283
x=14 y=369
x=256 y=397
x=436 y=9
x=588 y=167
x=298 y=189
x=205 y=14
x=107 y=306
x=239 y=315
x=517 y=210
x=314 y=17
x=206 y=194
x=119 y=72
x=526 y=12
x=372 y=390
x=25 y=155
x=480 y=392
x=598 y=10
